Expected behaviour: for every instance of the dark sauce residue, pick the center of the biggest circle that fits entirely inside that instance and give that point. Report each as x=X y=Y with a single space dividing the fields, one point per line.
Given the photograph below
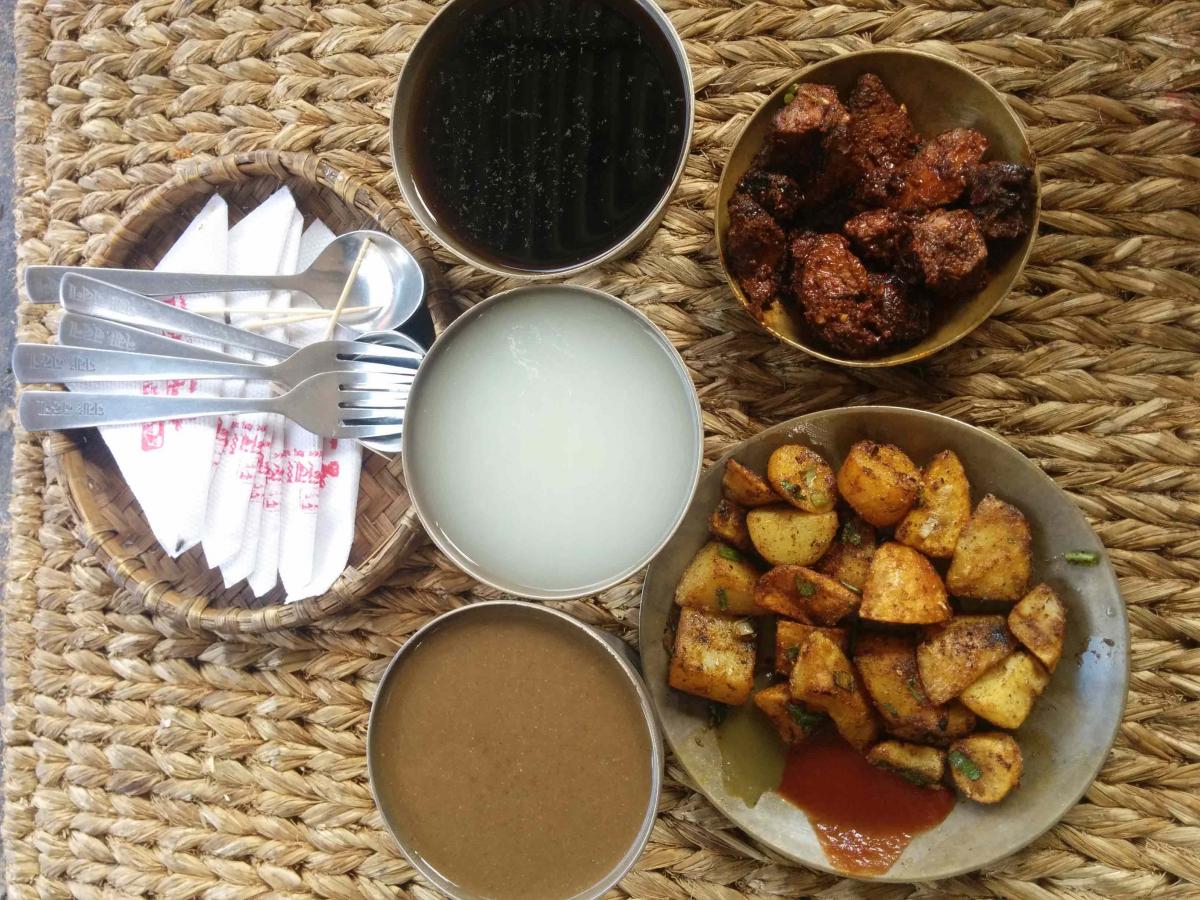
x=864 y=816
x=545 y=131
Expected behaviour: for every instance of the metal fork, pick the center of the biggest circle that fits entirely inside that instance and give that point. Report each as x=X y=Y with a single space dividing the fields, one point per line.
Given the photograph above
x=43 y=363
x=332 y=404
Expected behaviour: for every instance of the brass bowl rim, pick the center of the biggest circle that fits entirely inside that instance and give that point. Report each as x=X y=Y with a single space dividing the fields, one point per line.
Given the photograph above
x=901 y=357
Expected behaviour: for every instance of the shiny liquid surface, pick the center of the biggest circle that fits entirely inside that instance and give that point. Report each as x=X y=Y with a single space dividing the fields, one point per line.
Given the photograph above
x=864 y=816
x=546 y=131
x=513 y=756
x=553 y=442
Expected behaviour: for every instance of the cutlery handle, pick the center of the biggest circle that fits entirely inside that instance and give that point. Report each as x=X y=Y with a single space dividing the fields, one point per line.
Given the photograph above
x=61 y=410
x=47 y=363
x=42 y=283
x=90 y=333
x=90 y=297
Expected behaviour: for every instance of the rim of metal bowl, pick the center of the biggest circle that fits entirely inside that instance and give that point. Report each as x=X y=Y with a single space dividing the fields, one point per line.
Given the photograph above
x=445 y=339
x=620 y=656
x=402 y=166
x=900 y=357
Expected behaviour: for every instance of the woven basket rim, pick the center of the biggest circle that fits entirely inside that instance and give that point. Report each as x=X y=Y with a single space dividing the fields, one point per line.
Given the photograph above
x=158 y=596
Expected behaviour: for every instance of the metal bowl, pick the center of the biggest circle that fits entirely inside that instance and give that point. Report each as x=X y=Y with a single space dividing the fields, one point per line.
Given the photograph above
x=939 y=95
x=415 y=71
x=1064 y=741
x=615 y=649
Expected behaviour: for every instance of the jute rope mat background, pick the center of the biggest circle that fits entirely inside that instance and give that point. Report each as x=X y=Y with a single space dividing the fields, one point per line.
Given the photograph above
x=145 y=759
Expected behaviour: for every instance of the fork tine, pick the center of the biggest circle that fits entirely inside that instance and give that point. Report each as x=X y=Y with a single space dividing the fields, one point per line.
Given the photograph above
x=355 y=365
x=369 y=416
x=375 y=380
x=372 y=399
x=367 y=431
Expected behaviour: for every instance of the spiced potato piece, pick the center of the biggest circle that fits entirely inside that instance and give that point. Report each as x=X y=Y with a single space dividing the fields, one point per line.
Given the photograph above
x=791 y=719
x=728 y=523
x=879 y=481
x=993 y=556
x=1005 y=693
x=744 y=486
x=849 y=559
x=954 y=654
x=789 y=635
x=924 y=766
x=985 y=766
x=805 y=595
x=1039 y=622
x=943 y=507
x=713 y=657
x=903 y=588
x=826 y=680
x=784 y=535
x=801 y=476
x=719 y=579
x=887 y=664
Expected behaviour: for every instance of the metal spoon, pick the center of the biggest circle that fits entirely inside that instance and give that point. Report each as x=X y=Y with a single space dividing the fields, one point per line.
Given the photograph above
x=388 y=275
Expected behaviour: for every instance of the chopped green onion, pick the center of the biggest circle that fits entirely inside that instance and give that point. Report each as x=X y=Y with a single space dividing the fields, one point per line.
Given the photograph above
x=810 y=478
x=789 y=487
x=804 y=587
x=1082 y=558
x=891 y=710
x=722 y=598
x=848 y=586
x=818 y=498
x=792 y=654
x=851 y=535
x=916 y=691
x=729 y=553
x=804 y=718
x=965 y=765
x=791 y=93
x=844 y=680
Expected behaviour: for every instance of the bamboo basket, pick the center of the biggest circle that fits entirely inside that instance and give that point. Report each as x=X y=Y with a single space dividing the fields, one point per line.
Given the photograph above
x=110 y=522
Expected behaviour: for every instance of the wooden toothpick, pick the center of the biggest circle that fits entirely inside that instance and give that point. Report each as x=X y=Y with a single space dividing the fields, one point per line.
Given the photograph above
x=341 y=304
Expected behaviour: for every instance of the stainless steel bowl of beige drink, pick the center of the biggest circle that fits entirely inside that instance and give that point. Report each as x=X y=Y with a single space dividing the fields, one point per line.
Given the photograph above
x=513 y=753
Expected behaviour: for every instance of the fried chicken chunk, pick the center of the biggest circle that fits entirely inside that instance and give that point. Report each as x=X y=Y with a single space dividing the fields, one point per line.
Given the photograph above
x=850 y=310
x=866 y=151
x=1001 y=195
x=797 y=129
x=775 y=192
x=937 y=175
x=755 y=245
x=948 y=251
x=878 y=235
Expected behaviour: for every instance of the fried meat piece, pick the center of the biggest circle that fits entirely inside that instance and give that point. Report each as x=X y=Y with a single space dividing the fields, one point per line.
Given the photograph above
x=878 y=235
x=796 y=130
x=775 y=192
x=948 y=252
x=866 y=151
x=830 y=276
x=937 y=175
x=755 y=244
x=1001 y=195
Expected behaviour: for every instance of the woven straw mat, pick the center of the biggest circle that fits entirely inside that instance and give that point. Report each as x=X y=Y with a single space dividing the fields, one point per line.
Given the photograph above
x=143 y=759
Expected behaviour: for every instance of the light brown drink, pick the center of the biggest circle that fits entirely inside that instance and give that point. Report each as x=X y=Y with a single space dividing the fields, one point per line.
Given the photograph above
x=510 y=752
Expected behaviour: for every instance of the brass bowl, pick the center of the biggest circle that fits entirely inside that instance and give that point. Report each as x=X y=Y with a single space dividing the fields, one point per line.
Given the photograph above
x=939 y=95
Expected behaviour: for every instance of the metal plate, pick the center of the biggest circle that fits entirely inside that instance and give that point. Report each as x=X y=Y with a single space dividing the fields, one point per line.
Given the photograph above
x=1064 y=741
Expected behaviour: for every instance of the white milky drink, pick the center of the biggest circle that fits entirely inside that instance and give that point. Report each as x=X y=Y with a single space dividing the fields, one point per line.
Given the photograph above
x=552 y=441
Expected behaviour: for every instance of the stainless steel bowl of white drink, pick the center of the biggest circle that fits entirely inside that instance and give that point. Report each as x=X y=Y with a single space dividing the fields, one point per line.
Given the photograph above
x=552 y=441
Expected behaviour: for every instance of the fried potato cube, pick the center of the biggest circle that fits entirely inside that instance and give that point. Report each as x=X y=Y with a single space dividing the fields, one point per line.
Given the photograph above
x=805 y=595
x=1039 y=622
x=826 y=680
x=993 y=556
x=985 y=766
x=793 y=720
x=744 y=486
x=713 y=657
x=942 y=510
x=784 y=535
x=903 y=588
x=879 y=481
x=719 y=579
x=925 y=766
x=790 y=635
x=849 y=558
x=728 y=524
x=954 y=654
x=801 y=476
x=887 y=664
x=1005 y=693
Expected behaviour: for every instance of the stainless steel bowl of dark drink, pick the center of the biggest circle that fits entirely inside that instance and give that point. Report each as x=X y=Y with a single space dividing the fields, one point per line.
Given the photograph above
x=542 y=137
x=513 y=754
